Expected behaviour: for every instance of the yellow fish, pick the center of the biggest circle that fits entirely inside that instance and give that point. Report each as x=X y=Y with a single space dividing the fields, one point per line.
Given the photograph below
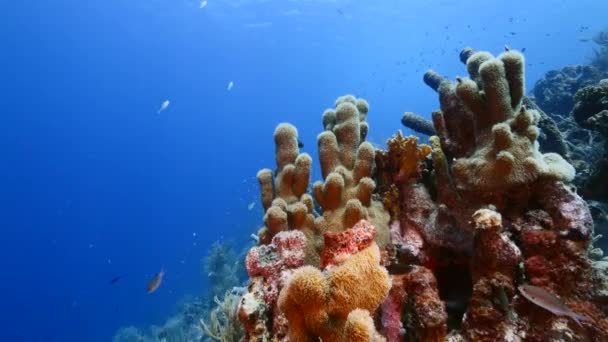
x=155 y=282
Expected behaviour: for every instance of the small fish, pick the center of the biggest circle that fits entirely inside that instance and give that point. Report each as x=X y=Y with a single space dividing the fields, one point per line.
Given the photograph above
x=203 y=4
x=230 y=85
x=163 y=106
x=504 y=303
x=155 y=282
x=300 y=144
x=550 y=302
x=116 y=279
x=399 y=268
x=250 y=205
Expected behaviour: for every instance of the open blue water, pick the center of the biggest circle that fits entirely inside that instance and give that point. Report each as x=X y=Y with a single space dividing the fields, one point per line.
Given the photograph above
x=95 y=183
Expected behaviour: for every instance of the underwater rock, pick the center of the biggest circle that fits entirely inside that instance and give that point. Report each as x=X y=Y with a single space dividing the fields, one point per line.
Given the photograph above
x=554 y=93
x=413 y=310
x=591 y=113
x=591 y=101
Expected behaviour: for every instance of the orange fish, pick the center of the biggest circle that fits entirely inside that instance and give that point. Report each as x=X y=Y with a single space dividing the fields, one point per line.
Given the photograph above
x=155 y=282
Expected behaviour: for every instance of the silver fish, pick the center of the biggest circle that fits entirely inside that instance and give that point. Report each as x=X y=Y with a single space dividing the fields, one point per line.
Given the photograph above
x=163 y=106
x=550 y=302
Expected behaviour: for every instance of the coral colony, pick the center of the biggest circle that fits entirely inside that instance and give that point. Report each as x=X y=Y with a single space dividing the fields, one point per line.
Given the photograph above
x=431 y=243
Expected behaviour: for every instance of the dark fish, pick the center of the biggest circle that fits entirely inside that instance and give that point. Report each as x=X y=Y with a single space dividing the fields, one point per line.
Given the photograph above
x=512 y=33
x=340 y=12
x=116 y=279
x=398 y=268
x=155 y=282
x=523 y=49
x=300 y=144
x=550 y=302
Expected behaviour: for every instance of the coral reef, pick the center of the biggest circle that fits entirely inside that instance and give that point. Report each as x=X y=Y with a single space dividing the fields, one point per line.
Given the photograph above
x=183 y=326
x=429 y=243
x=554 y=93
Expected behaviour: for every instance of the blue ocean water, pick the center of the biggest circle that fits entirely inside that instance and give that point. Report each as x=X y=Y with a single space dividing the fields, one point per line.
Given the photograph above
x=96 y=183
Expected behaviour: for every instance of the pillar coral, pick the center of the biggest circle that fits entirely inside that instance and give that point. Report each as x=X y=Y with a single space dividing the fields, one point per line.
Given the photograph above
x=336 y=304
x=286 y=203
x=347 y=164
x=483 y=124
